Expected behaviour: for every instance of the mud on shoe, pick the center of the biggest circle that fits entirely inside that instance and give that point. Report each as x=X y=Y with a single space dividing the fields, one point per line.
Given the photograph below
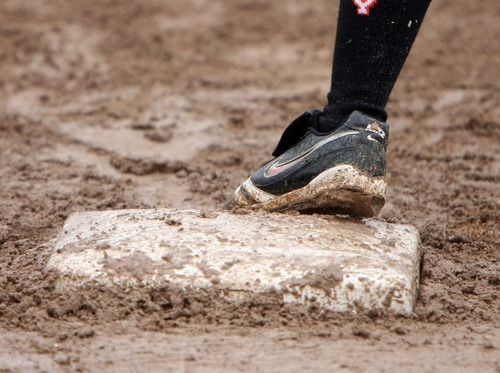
x=340 y=172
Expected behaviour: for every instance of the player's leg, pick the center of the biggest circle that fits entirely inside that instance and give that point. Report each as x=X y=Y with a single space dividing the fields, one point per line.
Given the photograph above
x=335 y=159
x=373 y=40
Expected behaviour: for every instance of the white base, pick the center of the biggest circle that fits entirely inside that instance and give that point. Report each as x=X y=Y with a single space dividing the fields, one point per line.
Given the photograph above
x=337 y=265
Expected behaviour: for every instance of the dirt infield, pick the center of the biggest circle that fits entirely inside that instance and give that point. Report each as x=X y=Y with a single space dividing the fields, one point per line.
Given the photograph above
x=110 y=105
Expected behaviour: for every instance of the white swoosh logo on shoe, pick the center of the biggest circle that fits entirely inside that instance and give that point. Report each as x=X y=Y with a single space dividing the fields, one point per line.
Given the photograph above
x=278 y=167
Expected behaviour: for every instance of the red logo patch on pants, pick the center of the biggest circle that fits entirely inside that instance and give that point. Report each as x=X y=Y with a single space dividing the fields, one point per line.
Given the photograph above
x=363 y=6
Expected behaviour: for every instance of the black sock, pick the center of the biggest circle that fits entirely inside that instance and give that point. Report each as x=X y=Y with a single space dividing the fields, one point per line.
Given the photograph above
x=370 y=50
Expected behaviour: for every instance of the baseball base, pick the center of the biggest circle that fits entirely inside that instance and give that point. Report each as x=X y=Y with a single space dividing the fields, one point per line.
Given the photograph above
x=334 y=264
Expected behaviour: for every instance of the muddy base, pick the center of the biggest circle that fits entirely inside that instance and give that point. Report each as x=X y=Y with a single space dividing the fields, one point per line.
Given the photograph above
x=331 y=264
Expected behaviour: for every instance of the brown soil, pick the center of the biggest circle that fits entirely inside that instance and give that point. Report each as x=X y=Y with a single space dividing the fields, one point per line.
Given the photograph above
x=109 y=105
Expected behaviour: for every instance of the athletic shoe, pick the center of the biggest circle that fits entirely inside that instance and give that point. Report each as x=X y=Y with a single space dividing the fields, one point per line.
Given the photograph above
x=340 y=172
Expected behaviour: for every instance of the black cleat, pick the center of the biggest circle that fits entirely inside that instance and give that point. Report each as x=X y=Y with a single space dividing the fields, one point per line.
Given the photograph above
x=340 y=172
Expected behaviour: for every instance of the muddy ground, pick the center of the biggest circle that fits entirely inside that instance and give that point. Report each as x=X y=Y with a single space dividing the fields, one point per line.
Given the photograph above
x=108 y=105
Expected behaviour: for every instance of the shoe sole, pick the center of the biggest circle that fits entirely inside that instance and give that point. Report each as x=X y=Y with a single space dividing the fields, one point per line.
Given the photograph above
x=338 y=190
